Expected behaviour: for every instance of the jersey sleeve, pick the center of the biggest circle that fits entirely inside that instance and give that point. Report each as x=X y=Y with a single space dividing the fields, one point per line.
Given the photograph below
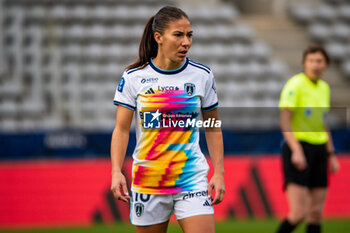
x=125 y=93
x=289 y=96
x=210 y=98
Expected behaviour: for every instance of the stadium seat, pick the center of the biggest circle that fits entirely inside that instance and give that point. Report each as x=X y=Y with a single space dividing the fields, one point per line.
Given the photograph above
x=320 y=32
x=36 y=12
x=243 y=33
x=58 y=12
x=79 y=12
x=325 y=13
x=9 y=125
x=259 y=51
x=303 y=13
x=240 y=51
x=76 y=32
x=336 y=51
x=341 y=32
x=8 y=108
x=344 y=12
x=346 y=69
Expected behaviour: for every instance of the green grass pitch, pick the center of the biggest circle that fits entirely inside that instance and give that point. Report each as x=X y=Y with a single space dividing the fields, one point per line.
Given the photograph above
x=246 y=226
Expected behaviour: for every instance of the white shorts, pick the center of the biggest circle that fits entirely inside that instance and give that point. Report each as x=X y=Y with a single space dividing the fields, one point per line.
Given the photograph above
x=147 y=209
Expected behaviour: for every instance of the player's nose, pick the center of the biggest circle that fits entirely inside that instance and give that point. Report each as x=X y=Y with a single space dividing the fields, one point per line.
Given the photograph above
x=186 y=41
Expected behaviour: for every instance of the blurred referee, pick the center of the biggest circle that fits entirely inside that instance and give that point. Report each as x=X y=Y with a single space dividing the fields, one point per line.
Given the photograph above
x=305 y=99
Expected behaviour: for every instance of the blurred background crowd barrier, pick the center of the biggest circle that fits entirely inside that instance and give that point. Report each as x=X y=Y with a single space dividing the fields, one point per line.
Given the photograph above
x=77 y=192
x=61 y=61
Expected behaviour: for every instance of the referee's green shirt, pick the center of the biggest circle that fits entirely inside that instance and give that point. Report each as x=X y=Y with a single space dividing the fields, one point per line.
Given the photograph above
x=309 y=102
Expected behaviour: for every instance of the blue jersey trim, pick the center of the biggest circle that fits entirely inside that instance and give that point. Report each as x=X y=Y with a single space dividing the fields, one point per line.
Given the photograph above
x=125 y=105
x=129 y=71
x=211 y=107
x=178 y=70
x=132 y=71
x=200 y=64
x=200 y=67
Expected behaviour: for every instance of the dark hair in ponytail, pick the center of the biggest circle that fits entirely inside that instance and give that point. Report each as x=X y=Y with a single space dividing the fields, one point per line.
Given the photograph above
x=157 y=23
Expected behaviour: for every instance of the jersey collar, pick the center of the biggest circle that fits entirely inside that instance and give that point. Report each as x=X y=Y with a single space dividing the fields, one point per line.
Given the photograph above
x=308 y=80
x=178 y=70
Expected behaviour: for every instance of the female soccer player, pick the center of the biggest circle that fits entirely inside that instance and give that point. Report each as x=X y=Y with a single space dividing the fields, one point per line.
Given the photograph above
x=167 y=91
x=304 y=101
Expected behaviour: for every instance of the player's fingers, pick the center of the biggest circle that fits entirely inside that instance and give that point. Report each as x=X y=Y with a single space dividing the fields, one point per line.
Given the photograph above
x=117 y=194
x=300 y=164
x=303 y=165
x=125 y=191
x=335 y=167
x=216 y=199
x=210 y=190
x=219 y=196
x=222 y=194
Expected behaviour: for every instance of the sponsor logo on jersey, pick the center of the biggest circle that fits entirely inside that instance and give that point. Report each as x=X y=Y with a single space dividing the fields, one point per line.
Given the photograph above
x=151 y=120
x=149 y=80
x=190 y=88
x=121 y=84
x=190 y=195
x=206 y=203
x=150 y=91
x=139 y=208
x=167 y=88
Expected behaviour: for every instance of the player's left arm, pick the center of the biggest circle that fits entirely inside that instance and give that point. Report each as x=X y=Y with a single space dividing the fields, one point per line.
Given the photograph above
x=214 y=140
x=333 y=161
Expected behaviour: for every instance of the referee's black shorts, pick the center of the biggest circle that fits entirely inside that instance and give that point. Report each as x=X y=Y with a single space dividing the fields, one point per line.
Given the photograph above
x=315 y=175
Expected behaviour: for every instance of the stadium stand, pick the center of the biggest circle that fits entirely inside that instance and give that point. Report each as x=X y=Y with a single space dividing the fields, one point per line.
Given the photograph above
x=63 y=59
x=328 y=23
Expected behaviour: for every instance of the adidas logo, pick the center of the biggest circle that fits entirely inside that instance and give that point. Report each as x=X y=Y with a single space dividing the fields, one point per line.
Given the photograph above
x=150 y=91
x=206 y=203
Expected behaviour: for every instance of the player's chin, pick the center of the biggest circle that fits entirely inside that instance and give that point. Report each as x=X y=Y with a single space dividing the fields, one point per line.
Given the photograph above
x=181 y=57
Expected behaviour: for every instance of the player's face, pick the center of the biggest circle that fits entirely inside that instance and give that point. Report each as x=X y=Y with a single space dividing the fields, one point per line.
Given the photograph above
x=314 y=64
x=176 y=40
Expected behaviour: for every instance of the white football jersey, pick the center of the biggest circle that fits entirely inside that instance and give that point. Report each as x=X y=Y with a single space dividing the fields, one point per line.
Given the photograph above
x=167 y=157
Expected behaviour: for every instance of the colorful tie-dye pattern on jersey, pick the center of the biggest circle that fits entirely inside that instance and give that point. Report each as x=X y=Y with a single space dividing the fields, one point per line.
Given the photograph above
x=165 y=162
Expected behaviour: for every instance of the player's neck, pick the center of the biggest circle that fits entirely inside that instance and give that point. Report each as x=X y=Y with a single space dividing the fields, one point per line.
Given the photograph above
x=312 y=78
x=166 y=64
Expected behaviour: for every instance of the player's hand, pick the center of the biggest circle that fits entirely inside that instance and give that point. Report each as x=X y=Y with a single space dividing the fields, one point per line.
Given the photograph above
x=217 y=183
x=119 y=187
x=334 y=164
x=298 y=160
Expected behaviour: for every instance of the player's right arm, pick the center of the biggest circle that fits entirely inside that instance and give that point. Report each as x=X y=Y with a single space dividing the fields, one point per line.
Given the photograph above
x=298 y=157
x=120 y=139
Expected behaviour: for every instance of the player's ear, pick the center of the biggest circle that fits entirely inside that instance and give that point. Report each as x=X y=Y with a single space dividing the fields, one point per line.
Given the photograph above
x=158 y=38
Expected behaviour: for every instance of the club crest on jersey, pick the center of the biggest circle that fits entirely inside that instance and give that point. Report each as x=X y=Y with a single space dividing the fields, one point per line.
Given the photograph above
x=139 y=208
x=190 y=88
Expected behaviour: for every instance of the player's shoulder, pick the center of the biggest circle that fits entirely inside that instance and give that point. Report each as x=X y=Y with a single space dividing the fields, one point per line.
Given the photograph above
x=135 y=71
x=198 y=66
x=296 y=81
x=324 y=84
